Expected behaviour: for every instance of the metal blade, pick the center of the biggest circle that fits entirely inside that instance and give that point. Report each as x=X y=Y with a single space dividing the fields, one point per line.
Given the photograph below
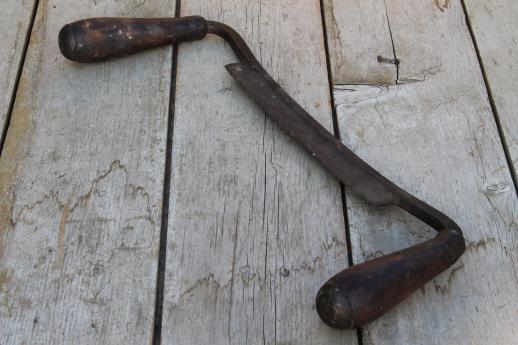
x=323 y=146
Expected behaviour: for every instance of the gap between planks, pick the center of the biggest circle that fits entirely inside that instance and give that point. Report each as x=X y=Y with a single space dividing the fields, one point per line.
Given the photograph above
x=505 y=146
x=159 y=303
x=21 y=63
x=336 y=132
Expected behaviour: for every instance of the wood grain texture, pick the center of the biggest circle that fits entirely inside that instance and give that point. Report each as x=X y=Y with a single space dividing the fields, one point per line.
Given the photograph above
x=255 y=226
x=434 y=135
x=81 y=189
x=359 y=30
x=15 y=20
x=494 y=27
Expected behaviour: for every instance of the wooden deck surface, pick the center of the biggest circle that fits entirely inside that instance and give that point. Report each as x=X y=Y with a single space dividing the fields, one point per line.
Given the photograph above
x=148 y=200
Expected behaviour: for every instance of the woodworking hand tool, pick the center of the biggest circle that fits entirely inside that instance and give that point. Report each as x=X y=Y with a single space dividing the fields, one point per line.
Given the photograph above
x=361 y=293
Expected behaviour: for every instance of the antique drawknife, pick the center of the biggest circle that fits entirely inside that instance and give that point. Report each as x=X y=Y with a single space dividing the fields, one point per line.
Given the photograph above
x=361 y=293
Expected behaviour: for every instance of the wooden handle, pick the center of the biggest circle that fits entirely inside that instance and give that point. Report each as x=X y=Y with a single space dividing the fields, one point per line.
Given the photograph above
x=364 y=292
x=98 y=39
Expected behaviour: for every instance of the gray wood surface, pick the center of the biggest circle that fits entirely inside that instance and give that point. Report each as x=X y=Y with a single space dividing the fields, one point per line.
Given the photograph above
x=15 y=19
x=495 y=29
x=358 y=30
x=81 y=188
x=255 y=225
x=434 y=134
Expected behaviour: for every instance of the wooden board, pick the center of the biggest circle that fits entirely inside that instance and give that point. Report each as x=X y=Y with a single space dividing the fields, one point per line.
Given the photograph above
x=81 y=189
x=434 y=134
x=255 y=226
x=15 y=20
x=494 y=26
x=358 y=30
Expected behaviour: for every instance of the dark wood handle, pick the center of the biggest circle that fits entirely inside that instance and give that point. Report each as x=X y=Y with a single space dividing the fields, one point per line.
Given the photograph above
x=98 y=39
x=364 y=292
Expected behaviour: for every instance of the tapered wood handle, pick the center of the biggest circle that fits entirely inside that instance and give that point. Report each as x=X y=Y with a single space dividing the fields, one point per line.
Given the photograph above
x=364 y=292
x=98 y=39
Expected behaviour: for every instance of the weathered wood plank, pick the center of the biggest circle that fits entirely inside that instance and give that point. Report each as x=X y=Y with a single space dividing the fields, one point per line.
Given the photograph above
x=434 y=134
x=81 y=189
x=358 y=30
x=494 y=26
x=15 y=20
x=255 y=225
